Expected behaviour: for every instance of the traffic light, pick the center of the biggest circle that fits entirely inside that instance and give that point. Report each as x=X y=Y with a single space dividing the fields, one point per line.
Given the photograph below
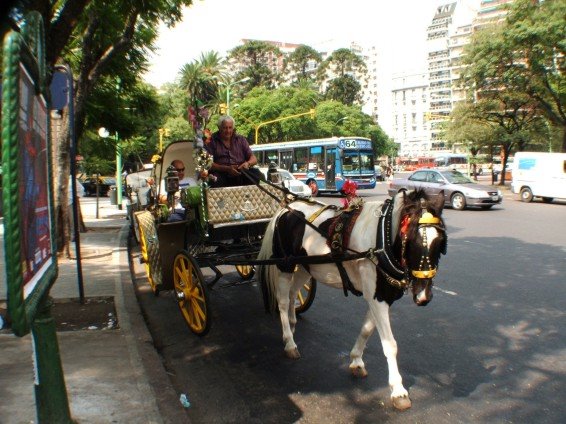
x=223 y=108
x=312 y=113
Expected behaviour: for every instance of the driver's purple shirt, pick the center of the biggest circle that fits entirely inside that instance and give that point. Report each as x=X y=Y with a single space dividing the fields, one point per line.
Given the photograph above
x=238 y=153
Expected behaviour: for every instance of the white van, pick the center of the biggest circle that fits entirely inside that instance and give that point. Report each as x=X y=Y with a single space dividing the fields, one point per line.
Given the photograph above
x=539 y=174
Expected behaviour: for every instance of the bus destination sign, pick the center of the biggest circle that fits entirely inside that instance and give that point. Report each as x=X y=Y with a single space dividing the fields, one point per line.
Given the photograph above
x=354 y=143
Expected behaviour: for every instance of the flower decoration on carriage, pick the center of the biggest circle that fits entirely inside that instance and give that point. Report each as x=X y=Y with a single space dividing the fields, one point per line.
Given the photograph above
x=350 y=190
x=203 y=162
x=207 y=136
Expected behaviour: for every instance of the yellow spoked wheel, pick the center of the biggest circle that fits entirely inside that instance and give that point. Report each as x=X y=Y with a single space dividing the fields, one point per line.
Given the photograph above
x=191 y=293
x=305 y=296
x=149 y=247
x=245 y=271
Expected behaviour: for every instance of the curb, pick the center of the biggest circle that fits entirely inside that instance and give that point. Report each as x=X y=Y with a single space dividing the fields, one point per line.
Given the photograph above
x=153 y=380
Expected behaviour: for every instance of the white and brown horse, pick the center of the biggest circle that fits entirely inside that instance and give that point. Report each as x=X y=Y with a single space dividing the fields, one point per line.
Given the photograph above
x=397 y=245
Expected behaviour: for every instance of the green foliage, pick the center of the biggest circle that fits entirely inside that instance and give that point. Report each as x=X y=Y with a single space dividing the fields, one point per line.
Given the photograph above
x=345 y=89
x=332 y=118
x=256 y=57
x=523 y=59
x=348 y=68
x=299 y=62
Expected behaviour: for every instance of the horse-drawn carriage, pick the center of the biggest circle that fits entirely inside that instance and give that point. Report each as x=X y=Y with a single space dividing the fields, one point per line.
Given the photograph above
x=223 y=226
x=379 y=250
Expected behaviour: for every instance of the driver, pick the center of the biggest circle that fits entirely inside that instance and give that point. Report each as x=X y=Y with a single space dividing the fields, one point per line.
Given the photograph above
x=231 y=154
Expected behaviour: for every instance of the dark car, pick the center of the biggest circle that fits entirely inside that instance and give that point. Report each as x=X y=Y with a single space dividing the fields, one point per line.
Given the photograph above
x=104 y=184
x=459 y=190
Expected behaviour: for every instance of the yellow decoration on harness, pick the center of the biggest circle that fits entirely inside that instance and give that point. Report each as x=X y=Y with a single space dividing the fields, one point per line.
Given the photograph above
x=424 y=274
x=428 y=218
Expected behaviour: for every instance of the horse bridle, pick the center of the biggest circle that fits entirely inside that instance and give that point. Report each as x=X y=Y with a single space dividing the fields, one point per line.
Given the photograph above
x=395 y=272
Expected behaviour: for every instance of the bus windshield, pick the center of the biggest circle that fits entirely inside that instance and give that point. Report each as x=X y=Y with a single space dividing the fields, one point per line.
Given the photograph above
x=355 y=162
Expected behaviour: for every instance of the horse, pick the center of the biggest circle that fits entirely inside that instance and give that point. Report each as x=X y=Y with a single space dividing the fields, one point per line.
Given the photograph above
x=393 y=245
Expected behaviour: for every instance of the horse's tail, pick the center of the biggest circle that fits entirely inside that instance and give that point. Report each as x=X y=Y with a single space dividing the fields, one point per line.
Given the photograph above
x=267 y=274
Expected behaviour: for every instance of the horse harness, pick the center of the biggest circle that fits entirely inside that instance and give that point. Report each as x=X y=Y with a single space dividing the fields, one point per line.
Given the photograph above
x=382 y=256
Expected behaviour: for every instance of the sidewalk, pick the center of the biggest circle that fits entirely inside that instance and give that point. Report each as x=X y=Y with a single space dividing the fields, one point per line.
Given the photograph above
x=112 y=372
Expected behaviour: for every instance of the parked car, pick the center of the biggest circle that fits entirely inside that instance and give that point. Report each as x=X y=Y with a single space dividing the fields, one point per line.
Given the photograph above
x=459 y=190
x=291 y=183
x=104 y=184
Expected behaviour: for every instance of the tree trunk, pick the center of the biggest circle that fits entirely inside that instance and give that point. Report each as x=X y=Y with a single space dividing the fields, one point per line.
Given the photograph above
x=61 y=173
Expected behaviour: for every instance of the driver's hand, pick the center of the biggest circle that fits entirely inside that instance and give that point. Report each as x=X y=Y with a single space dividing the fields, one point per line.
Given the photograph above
x=244 y=165
x=234 y=171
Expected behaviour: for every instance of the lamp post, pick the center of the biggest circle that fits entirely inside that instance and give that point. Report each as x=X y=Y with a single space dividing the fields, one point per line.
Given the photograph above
x=163 y=132
x=261 y=124
x=229 y=86
x=344 y=118
x=103 y=132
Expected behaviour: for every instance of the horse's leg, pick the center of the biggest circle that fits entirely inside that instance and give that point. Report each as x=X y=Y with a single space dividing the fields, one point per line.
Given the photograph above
x=357 y=366
x=380 y=315
x=284 y=285
x=300 y=278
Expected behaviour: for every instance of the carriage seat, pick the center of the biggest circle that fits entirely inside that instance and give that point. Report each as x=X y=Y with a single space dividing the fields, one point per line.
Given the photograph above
x=241 y=205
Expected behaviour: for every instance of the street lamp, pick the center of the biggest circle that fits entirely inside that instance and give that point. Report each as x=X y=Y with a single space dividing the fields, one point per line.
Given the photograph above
x=344 y=118
x=229 y=86
x=104 y=133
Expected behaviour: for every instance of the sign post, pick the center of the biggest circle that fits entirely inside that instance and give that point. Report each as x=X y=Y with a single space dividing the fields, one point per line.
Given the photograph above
x=31 y=262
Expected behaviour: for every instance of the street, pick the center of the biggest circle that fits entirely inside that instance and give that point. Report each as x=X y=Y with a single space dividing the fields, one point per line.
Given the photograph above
x=490 y=347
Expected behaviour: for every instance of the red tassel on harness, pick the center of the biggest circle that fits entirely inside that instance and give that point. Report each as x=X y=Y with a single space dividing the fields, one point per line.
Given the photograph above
x=404 y=225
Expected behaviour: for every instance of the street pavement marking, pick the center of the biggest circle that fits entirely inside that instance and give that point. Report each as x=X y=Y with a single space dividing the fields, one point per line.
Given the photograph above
x=446 y=291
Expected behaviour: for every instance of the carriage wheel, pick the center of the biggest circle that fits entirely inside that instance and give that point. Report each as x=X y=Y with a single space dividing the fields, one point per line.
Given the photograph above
x=305 y=296
x=245 y=271
x=192 y=293
x=149 y=247
x=136 y=230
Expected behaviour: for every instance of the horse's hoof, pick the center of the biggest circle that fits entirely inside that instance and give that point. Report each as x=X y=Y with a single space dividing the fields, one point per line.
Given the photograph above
x=359 y=372
x=293 y=354
x=401 y=403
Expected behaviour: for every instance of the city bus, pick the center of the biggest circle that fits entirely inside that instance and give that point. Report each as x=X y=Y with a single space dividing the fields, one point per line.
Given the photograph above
x=453 y=161
x=330 y=161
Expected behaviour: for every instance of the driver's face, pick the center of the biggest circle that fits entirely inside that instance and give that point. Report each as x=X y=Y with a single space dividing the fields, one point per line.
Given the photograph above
x=227 y=129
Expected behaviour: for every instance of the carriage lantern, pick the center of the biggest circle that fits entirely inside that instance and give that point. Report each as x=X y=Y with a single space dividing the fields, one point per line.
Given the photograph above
x=172 y=180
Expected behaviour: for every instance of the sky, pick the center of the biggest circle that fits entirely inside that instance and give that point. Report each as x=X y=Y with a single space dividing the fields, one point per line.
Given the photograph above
x=397 y=28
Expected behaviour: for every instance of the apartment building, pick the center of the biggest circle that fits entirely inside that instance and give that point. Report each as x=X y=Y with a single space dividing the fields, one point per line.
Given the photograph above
x=410 y=104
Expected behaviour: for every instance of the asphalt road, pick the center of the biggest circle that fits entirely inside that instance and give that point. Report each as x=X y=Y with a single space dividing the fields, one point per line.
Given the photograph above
x=489 y=348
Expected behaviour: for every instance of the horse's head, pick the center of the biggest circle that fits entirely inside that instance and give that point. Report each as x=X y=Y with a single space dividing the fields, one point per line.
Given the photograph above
x=423 y=239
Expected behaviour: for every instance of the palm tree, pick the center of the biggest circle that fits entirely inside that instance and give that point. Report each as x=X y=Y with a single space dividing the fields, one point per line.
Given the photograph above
x=200 y=80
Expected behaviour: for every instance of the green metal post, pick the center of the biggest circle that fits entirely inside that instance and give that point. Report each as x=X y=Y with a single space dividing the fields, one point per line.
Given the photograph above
x=118 y=172
x=50 y=393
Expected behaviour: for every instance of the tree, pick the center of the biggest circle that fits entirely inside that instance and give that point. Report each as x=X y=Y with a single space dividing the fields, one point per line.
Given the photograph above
x=527 y=56
x=98 y=39
x=347 y=68
x=301 y=62
x=256 y=57
x=345 y=89
x=467 y=127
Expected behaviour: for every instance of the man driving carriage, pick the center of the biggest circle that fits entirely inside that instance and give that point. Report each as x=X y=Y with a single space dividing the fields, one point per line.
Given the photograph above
x=232 y=156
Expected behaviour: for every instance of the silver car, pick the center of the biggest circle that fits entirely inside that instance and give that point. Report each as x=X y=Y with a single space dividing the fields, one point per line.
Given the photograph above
x=291 y=183
x=459 y=190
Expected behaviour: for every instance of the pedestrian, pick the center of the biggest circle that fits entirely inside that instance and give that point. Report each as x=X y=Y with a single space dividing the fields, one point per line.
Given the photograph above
x=311 y=182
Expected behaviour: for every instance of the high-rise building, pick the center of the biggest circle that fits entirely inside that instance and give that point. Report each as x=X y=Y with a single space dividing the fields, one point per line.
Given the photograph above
x=410 y=106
